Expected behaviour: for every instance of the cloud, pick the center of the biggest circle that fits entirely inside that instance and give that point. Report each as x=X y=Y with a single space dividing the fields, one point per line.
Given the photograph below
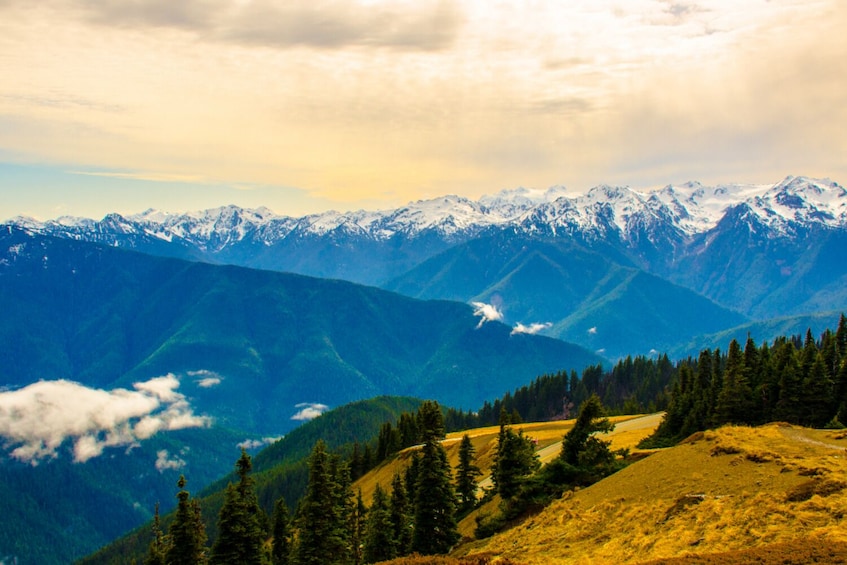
x=592 y=330
x=429 y=26
x=309 y=411
x=531 y=329
x=164 y=461
x=208 y=379
x=257 y=443
x=487 y=313
x=36 y=420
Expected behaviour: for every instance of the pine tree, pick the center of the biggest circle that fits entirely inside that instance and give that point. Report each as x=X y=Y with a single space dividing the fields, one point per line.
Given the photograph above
x=788 y=406
x=580 y=442
x=240 y=536
x=357 y=537
x=735 y=397
x=466 y=474
x=380 y=544
x=435 y=502
x=322 y=522
x=401 y=522
x=281 y=553
x=841 y=336
x=817 y=402
x=158 y=547
x=187 y=537
x=514 y=462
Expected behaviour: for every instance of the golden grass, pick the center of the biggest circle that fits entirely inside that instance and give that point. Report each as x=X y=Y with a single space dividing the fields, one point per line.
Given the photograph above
x=723 y=491
x=629 y=431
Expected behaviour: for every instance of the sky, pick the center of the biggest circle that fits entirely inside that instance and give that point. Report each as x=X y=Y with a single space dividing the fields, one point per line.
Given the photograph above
x=305 y=105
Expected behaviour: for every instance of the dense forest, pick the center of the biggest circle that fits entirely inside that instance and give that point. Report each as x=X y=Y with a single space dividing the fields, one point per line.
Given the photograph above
x=795 y=380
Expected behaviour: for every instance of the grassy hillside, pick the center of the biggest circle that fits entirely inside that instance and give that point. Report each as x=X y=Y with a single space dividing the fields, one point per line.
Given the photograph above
x=628 y=432
x=727 y=490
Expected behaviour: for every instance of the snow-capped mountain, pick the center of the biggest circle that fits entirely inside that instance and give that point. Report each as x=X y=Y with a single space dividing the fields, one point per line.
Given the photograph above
x=604 y=211
x=655 y=230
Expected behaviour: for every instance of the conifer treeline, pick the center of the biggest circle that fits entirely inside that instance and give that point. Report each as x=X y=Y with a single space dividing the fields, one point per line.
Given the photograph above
x=633 y=386
x=799 y=381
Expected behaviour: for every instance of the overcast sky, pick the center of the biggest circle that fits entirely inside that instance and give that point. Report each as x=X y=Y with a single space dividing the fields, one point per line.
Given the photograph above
x=306 y=105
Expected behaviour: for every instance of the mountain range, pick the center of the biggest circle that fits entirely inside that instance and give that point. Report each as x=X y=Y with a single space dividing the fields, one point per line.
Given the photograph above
x=615 y=270
x=231 y=326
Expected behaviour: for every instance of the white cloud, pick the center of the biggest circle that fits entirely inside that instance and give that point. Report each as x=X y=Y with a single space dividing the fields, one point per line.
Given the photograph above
x=487 y=313
x=309 y=411
x=257 y=443
x=207 y=379
x=36 y=420
x=531 y=329
x=165 y=461
x=592 y=331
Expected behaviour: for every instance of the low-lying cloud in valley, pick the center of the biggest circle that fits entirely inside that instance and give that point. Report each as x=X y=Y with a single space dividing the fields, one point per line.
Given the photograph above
x=205 y=378
x=35 y=421
x=250 y=444
x=531 y=329
x=309 y=411
x=487 y=313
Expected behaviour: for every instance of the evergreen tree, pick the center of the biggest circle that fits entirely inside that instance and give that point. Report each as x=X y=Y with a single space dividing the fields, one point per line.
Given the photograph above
x=790 y=384
x=380 y=544
x=187 y=536
x=734 y=401
x=841 y=336
x=322 y=522
x=514 y=461
x=358 y=532
x=466 y=474
x=281 y=553
x=158 y=547
x=817 y=402
x=435 y=502
x=401 y=522
x=581 y=447
x=240 y=536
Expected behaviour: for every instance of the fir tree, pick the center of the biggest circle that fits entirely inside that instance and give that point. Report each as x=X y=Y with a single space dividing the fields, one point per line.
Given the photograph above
x=514 y=461
x=817 y=402
x=281 y=553
x=380 y=544
x=466 y=474
x=735 y=397
x=322 y=524
x=435 y=502
x=158 y=548
x=357 y=537
x=401 y=522
x=240 y=535
x=581 y=446
x=187 y=536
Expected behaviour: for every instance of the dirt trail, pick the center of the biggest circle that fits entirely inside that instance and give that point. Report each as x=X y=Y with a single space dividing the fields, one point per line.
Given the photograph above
x=797 y=435
x=550 y=452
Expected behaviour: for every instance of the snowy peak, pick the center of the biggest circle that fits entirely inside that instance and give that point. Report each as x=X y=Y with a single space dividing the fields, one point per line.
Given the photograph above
x=798 y=201
x=617 y=212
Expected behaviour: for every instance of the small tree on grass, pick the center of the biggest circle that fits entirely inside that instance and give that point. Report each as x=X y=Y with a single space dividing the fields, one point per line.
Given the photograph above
x=581 y=447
